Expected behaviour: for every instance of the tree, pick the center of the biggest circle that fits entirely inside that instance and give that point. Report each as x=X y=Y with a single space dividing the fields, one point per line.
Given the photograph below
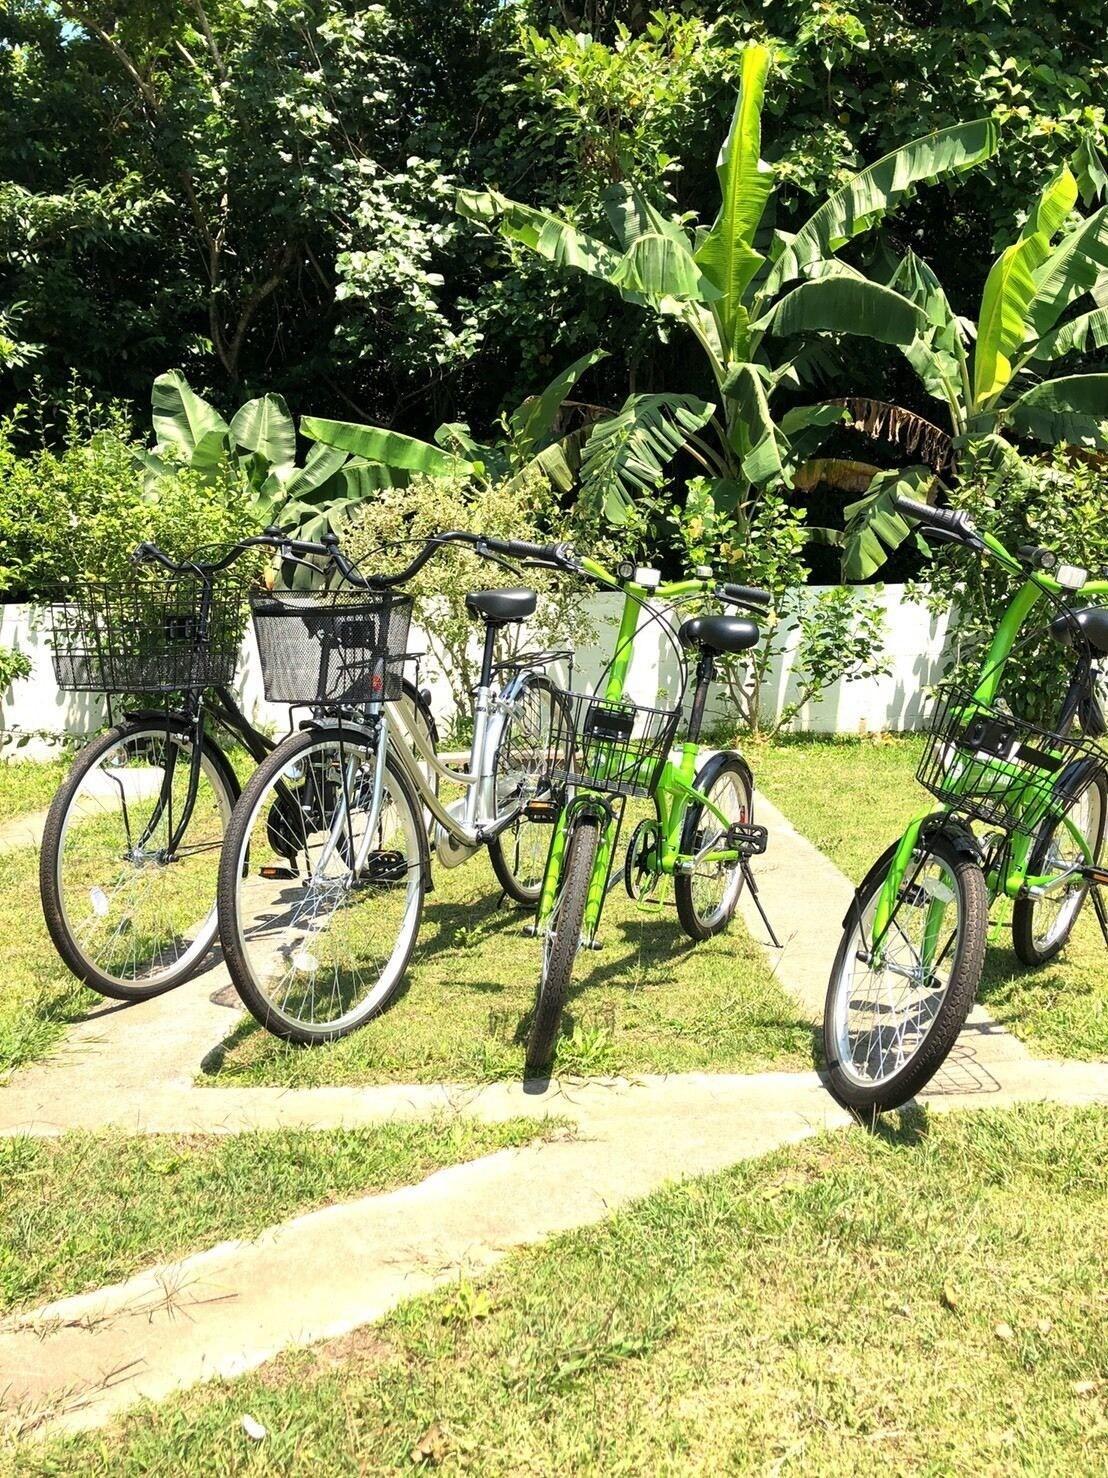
x=1045 y=301
x=737 y=288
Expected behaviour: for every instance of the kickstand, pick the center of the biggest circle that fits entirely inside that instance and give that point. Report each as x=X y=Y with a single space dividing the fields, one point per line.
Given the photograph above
x=1101 y=911
x=753 y=886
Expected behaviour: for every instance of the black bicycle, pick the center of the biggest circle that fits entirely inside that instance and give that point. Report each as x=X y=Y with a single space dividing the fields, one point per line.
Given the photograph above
x=130 y=853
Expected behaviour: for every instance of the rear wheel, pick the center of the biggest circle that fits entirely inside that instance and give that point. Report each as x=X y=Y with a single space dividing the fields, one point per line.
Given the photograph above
x=518 y=855
x=127 y=917
x=708 y=895
x=1041 y=927
x=889 y=1024
x=562 y=941
x=321 y=888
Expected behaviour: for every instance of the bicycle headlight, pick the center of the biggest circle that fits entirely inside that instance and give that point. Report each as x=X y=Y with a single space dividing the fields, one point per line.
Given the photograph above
x=1071 y=577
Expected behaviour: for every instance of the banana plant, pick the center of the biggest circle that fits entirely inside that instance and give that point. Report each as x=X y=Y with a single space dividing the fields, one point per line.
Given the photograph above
x=739 y=289
x=529 y=440
x=1045 y=300
x=259 y=442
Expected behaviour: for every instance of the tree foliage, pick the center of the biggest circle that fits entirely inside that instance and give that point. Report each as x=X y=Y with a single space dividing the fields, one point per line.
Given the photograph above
x=258 y=191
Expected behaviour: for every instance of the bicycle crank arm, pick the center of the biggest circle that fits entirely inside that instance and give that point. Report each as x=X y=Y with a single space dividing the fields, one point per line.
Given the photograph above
x=1098 y=876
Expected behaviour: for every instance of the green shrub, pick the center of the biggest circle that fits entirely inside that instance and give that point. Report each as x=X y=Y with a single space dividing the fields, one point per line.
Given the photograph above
x=524 y=507
x=78 y=511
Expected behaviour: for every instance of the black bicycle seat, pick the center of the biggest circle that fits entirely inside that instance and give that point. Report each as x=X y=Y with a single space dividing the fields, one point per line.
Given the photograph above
x=1092 y=622
x=502 y=606
x=720 y=633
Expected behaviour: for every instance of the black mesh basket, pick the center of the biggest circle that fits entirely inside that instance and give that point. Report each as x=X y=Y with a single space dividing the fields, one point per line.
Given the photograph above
x=1001 y=770
x=341 y=647
x=619 y=747
x=156 y=633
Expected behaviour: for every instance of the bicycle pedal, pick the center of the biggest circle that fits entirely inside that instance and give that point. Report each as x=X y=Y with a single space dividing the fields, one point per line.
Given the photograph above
x=384 y=867
x=543 y=812
x=747 y=838
x=277 y=874
x=1098 y=876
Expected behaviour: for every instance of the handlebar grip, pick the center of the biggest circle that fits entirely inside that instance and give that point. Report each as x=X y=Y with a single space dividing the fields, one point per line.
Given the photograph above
x=953 y=521
x=522 y=549
x=748 y=594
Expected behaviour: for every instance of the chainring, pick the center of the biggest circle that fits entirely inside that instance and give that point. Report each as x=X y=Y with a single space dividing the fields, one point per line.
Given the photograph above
x=642 y=866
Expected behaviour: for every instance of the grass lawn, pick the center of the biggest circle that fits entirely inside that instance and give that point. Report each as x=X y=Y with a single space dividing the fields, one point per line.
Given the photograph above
x=928 y=1299
x=649 y=1001
x=29 y=785
x=853 y=797
x=37 y=993
x=86 y=1210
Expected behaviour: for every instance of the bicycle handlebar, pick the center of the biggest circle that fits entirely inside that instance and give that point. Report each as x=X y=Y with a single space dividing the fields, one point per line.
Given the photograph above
x=953 y=522
x=558 y=555
x=746 y=595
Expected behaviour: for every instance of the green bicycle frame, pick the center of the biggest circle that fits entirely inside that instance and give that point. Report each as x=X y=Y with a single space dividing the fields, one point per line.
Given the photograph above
x=672 y=792
x=1011 y=877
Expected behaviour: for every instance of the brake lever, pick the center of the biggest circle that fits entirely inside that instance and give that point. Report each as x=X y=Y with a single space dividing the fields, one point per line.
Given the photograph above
x=484 y=552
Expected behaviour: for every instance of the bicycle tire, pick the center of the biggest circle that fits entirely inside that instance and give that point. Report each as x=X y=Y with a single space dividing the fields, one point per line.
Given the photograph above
x=62 y=931
x=696 y=924
x=562 y=943
x=1025 y=942
x=950 y=1016
x=523 y=884
x=235 y=869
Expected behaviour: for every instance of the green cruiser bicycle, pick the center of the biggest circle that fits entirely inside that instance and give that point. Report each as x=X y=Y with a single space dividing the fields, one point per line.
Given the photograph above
x=913 y=943
x=604 y=749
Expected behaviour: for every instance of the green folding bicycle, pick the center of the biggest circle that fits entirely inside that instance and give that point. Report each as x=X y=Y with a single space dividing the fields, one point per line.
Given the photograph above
x=913 y=943
x=604 y=749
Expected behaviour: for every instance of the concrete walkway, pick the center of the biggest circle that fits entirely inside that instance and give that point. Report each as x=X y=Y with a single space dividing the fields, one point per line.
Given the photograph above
x=77 y=1362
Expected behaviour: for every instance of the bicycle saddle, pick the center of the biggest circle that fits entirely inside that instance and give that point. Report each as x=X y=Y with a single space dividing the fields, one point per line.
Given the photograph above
x=502 y=606
x=720 y=633
x=1093 y=621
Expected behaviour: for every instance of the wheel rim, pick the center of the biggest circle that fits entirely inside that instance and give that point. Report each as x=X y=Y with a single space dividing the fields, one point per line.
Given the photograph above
x=522 y=761
x=324 y=947
x=715 y=886
x=134 y=916
x=1054 y=914
x=883 y=1014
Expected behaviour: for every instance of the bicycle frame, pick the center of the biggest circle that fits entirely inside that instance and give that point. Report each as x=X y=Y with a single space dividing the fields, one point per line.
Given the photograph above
x=1008 y=874
x=476 y=819
x=672 y=791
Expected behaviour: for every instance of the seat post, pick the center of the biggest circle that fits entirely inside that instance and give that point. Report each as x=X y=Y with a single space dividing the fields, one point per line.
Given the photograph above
x=488 y=653
x=705 y=669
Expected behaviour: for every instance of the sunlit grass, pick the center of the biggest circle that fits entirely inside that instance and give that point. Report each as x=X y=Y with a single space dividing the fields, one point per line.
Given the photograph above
x=928 y=1299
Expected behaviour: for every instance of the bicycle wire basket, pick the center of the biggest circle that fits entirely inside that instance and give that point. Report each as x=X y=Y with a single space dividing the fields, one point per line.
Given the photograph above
x=618 y=747
x=986 y=764
x=153 y=633
x=342 y=648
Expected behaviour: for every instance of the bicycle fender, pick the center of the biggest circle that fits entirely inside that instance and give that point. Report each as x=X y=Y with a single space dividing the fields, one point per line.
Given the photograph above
x=181 y=720
x=895 y=858
x=590 y=804
x=957 y=832
x=711 y=768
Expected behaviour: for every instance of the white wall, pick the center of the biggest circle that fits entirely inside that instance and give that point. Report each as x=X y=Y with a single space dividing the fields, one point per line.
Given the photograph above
x=915 y=643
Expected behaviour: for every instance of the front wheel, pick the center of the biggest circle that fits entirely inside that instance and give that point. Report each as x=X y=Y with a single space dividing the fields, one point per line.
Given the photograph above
x=321 y=885
x=892 y=1014
x=708 y=894
x=128 y=916
x=561 y=943
x=1041 y=927
x=520 y=767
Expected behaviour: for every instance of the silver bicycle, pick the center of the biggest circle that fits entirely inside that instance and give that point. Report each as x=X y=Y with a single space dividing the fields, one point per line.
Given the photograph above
x=328 y=853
